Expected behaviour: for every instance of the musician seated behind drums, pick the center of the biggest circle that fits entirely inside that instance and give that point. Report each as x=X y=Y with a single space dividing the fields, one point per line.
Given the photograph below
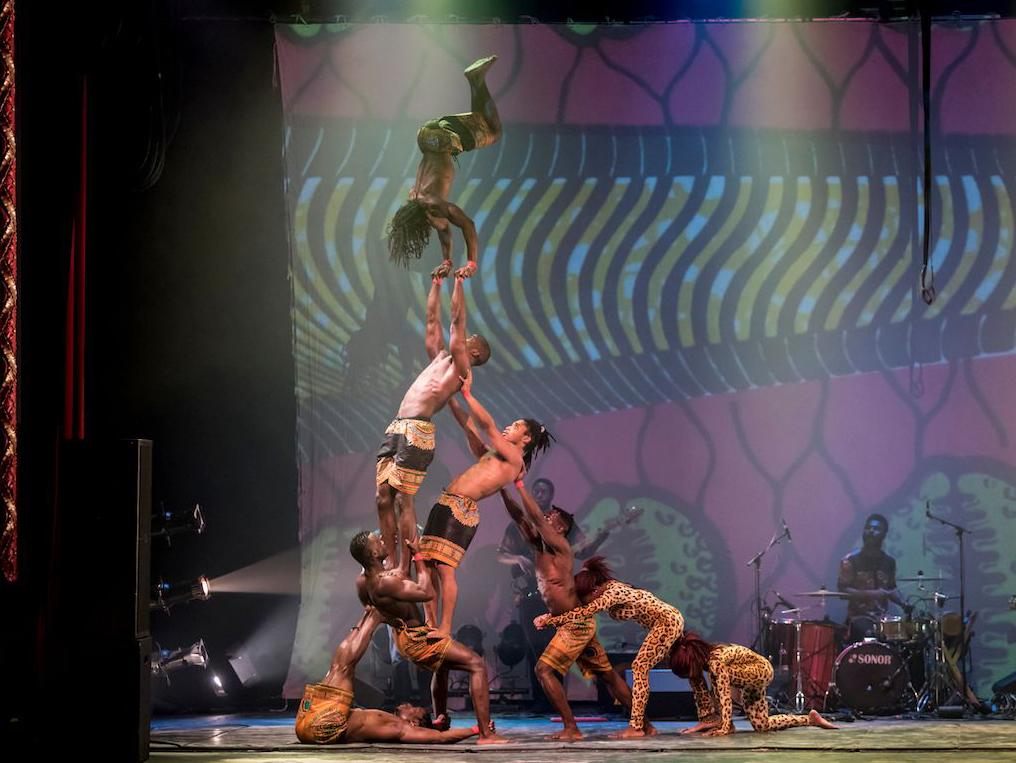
x=868 y=575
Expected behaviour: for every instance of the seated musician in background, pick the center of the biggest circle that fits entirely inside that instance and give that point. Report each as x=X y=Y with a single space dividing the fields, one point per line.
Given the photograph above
x=868 y=575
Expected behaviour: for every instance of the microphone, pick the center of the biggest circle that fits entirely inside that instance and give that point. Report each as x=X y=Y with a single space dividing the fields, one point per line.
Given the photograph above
x=783 y=602
x=786 y=531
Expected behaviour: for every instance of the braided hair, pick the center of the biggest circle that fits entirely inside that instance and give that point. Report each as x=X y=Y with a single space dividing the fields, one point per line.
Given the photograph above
x=539 y=441
x=408 y=233
x=689 y=655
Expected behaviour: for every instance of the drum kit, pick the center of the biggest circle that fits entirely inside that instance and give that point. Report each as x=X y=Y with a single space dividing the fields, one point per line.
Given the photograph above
x=901 y=664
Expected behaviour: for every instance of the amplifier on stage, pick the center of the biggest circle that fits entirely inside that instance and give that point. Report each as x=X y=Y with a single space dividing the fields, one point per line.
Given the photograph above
x=670 y=697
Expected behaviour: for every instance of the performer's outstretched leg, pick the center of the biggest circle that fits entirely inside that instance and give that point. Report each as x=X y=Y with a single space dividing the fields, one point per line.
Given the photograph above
x=481 y=103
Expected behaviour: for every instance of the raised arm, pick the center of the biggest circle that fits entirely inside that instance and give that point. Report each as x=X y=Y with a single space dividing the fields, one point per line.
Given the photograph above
x=355 y=644
x=540 y=523
x=587 y=546
x=486 y=427
x=473 y=440
x=461 y=220
x=457 y=331
x=433 y=334
x=517 y=515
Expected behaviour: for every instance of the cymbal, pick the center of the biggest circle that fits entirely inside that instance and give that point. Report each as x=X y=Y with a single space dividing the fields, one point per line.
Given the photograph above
x=825 y=593
x=923 y=579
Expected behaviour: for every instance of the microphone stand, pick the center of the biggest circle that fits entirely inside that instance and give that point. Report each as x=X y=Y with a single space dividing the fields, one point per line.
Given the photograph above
x=756 y=562
x=960 y=531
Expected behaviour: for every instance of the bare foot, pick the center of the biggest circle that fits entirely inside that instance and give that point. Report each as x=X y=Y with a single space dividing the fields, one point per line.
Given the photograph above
x=478 y=68
x=815 y=719
x=493 y=739
x=567 y=734
x=628 y=733
x=442 y=722
x=650 y=729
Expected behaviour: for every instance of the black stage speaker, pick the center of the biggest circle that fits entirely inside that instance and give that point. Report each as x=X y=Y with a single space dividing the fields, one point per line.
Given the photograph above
x=100 y=647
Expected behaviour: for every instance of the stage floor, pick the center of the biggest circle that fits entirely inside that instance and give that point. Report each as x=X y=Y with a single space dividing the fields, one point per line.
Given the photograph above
x=271 y=738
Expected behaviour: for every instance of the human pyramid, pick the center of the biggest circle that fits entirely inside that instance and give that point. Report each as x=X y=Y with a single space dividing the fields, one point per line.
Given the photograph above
x=386 y=586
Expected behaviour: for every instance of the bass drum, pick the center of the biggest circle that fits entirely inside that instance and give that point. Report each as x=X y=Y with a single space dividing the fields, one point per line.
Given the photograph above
x=870 y=677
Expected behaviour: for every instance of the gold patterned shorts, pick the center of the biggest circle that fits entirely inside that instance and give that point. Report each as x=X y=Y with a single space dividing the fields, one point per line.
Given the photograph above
x=323 y=715
x=577 y=643
x=455 y=134
x=450 y=529
x=405 y=454
x=414 y=645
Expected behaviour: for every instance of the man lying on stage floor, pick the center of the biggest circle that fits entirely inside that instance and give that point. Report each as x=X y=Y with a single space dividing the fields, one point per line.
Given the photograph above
x=574 y=642
x=395 y=596
x=453 y=520
x=325 y=715
x=440 y=141
x=408 y=448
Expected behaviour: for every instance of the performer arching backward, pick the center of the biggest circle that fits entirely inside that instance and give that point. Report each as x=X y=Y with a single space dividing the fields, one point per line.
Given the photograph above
x=599 y=591
x=396 y=596
x=326 y=717
x=574 y=642
x=440 y=141
x=453 y=520
x=408 y=448
x=730 y=665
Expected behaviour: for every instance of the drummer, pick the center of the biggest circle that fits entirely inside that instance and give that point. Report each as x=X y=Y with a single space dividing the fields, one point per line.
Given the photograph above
x=868 y=575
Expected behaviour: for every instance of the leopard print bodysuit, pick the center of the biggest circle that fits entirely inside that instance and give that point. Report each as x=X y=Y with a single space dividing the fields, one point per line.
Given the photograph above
x=735 y=665
x=664 y=623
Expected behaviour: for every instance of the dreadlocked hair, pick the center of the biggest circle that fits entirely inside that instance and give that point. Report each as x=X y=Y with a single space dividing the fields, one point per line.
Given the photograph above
x=594 y=573
x=539 y=441
x=408 y=233
x=689 y=655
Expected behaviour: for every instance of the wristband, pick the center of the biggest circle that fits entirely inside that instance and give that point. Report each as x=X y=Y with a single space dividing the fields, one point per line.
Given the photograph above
x=465 y=394
x=520 y=484
x=475 y=729
x=471 y=265
x=418 y=557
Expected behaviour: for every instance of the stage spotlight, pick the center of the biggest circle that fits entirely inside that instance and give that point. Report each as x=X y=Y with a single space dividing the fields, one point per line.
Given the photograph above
x=511 y=648
x=217 y=686
x=165 y=661
x=165 y=595
x=168 y=523
x=472 y=637
x=246 y=672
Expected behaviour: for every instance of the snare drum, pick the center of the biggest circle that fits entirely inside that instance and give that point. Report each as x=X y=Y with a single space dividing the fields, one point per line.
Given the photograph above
x=891 y=629
x=870 y=677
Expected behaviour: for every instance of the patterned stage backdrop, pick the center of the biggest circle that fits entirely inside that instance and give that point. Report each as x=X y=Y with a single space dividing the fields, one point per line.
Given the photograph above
x=698 y=258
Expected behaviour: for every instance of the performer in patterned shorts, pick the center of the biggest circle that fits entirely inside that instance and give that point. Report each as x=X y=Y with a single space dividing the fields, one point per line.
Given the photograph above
x=574 y=642
x=730 y=665
x=453 y=519
x=440 y=141
x=599 y=591
x=326 y=717
x=395 y=596
x=408 y=447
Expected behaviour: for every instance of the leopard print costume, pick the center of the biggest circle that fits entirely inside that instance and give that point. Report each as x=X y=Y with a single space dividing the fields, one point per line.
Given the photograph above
x=664 y=623
x=735 y=665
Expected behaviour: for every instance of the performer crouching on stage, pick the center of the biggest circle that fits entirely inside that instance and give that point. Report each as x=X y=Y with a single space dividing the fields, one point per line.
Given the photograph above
x=453 y=520
x=574 y=642
x=326 y=717
x=730 y=665
x=599 y=590
x=395 y=596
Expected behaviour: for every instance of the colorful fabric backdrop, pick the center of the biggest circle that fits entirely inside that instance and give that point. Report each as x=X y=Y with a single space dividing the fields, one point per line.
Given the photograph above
x=699 y=246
